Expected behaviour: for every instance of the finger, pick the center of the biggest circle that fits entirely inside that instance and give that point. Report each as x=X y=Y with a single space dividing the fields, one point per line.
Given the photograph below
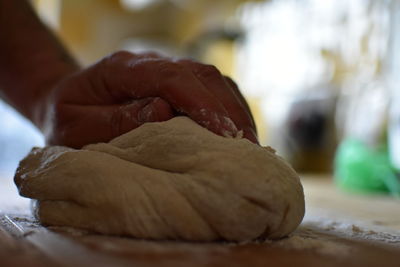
x=241 y=98
x=156 y=110
x=93 y=89
x=213 y=80
x=103 y=123
x=251 y=132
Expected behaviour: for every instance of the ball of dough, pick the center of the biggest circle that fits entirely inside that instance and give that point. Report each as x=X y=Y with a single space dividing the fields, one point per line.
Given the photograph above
x=168 y=180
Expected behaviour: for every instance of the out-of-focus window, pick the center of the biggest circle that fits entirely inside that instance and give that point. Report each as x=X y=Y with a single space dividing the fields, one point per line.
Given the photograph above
x=304 y=63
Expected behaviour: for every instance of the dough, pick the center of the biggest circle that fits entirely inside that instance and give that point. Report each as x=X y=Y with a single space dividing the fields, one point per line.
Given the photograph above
x=168 y=180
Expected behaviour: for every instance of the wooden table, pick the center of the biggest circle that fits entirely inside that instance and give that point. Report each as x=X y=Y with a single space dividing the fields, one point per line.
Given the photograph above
x=339 y=229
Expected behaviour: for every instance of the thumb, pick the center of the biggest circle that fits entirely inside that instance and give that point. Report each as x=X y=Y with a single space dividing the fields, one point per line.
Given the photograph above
x=94 y=124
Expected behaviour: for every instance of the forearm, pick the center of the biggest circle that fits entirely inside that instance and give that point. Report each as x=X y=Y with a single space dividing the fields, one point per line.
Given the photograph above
x=31 y=59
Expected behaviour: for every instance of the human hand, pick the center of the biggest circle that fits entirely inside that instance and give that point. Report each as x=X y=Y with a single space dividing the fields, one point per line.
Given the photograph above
x=125 y=90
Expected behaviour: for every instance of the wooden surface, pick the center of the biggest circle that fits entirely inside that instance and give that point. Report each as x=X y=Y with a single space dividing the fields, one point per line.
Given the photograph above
x=339 y=229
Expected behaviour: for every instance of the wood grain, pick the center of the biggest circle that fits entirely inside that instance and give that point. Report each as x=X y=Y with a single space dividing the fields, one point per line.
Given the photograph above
x=25 y=243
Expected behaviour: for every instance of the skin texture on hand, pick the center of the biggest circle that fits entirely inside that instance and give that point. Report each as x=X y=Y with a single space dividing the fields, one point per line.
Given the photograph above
x=125 y=90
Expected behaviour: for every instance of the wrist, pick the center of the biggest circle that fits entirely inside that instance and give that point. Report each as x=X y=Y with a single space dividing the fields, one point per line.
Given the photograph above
x=32 y=60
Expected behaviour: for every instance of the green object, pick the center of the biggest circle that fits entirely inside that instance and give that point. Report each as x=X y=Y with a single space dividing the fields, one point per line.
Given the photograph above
x=361 y=168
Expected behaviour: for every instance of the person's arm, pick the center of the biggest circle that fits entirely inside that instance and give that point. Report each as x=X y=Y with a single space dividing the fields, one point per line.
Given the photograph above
x=32 y=60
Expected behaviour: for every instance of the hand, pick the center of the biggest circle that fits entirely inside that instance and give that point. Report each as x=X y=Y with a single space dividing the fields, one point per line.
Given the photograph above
x=125 y=90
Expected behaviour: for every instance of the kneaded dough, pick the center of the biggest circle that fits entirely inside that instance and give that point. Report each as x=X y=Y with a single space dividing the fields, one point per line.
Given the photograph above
x=168 y=180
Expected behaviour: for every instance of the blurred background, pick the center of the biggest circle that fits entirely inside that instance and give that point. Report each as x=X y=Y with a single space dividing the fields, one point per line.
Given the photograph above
x=320 y=76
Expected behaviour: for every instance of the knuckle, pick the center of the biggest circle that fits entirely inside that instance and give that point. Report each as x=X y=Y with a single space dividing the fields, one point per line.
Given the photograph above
x=207 y=72
x=169 y=69
x=187 y=61
x=231 y=82
x=116 y=57
x=151 y=54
